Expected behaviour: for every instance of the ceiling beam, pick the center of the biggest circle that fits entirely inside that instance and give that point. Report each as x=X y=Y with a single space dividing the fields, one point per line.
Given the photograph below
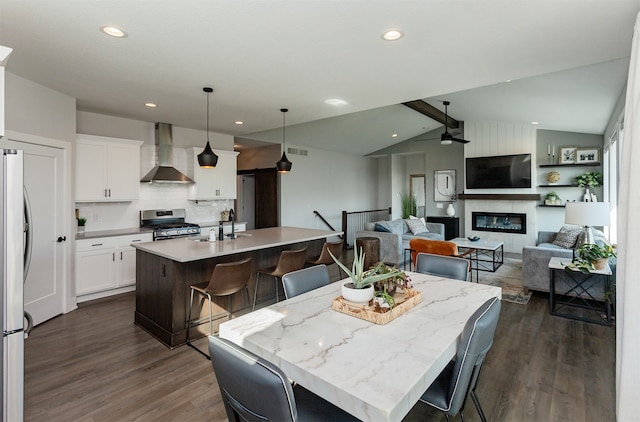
x=432 y=113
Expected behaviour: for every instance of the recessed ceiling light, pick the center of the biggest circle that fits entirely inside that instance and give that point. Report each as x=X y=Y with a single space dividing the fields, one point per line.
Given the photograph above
x=113 y=31
x=239 y=122
x=151 y=105
x=335 y=102
x=392 y=35
x=535 y=123
x=395 y=135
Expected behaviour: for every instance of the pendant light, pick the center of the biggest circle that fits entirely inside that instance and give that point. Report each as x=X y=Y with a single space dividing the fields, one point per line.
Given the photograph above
x=284 y=165
x=207 y=158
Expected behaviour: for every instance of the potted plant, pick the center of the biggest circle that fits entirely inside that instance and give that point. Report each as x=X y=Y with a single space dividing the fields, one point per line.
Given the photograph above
x=592 y=257
x=360 y=288
x=589 y=179
x=81 y=223
x=552 y=198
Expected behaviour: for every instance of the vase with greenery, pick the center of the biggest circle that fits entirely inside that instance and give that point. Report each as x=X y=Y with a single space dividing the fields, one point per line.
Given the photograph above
x=589 y=179
x=552 y=198
x=409 y=206
x=81 y=223
x=359 y=288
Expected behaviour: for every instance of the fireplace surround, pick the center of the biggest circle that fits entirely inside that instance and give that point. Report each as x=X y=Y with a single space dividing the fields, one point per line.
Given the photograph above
x=500 y=222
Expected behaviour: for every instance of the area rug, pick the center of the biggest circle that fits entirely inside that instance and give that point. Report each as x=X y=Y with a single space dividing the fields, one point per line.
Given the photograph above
x=509 y=278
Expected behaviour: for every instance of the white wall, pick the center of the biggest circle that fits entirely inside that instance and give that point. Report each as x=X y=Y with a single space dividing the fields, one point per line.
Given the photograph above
x=37 y=110
x=327 y=182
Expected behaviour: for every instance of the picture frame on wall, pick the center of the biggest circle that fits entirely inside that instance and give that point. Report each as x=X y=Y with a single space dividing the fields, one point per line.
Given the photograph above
x=567 y=155
x=587 y=155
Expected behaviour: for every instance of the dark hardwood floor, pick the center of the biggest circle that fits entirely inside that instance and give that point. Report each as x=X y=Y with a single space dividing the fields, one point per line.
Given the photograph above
x=94 y=364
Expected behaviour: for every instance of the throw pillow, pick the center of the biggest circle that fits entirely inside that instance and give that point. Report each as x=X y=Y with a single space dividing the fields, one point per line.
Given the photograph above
x=396 y=226
x=567 y=236
x=381 y=228
x=370 y=226
x=416 y=226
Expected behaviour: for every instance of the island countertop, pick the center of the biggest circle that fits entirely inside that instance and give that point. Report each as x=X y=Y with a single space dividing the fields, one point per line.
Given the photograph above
x=187 y=249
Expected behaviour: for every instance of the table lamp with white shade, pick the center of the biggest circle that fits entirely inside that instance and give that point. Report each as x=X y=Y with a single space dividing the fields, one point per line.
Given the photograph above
x=587 y=214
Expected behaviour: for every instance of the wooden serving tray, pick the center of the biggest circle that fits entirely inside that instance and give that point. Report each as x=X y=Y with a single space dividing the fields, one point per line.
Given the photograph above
x=405 y=300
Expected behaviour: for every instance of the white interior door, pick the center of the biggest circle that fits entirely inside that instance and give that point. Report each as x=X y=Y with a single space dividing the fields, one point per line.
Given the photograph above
x=43 y=179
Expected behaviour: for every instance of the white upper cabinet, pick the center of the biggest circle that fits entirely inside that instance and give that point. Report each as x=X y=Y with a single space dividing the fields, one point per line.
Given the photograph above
x=107 y=169
x=215 y=183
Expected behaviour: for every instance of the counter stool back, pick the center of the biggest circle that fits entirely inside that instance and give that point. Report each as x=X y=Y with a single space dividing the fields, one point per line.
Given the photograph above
x=226 y=279
x=287 y=262
x=325 y=258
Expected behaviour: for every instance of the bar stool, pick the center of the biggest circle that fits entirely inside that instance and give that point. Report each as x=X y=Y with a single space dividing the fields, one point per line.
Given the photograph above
x=324 y=258
x=226 y=279
x=287 y=262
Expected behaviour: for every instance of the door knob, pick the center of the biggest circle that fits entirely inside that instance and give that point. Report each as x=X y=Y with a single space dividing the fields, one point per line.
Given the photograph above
x=62 y=239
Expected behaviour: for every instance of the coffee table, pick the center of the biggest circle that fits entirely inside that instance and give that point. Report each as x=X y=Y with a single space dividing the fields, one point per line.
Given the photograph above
x=489 y=254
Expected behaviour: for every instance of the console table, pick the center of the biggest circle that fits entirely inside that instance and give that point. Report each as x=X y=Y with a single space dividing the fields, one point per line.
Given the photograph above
x=577 y=295
x=451 y=226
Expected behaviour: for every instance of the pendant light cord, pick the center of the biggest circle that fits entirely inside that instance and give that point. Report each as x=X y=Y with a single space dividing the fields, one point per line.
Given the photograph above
x=208 y=116
x=284 y=113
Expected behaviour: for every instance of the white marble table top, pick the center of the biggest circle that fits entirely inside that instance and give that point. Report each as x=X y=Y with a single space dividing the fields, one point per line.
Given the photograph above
x=375 y=372
x=186 y=249
x=490 y=245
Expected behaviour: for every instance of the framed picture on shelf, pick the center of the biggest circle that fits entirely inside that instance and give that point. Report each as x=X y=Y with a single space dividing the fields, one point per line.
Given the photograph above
x=587 y=155
x=567 y=155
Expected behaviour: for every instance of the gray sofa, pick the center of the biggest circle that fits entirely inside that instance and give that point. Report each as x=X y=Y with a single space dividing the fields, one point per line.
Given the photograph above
x=535 y=265
x=392 y=245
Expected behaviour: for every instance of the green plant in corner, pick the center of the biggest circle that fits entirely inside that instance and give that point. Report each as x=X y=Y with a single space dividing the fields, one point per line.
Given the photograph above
x=589 y=179
x=409 y=206
x=82 y=221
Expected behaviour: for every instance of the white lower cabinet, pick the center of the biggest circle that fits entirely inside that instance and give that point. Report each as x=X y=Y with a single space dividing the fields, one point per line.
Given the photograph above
x=106 y=263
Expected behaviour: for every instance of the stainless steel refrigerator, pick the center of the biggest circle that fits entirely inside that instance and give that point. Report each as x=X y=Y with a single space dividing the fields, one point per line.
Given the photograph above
x=12 y=260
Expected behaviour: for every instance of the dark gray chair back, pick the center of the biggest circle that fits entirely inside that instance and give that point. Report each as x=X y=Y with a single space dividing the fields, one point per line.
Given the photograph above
x=297 y=282
x=251 y=387
x=476 y=340
x=442 y=265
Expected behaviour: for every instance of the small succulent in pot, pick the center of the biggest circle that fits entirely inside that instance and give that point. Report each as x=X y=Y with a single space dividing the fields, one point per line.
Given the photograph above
x=396 y=278
x=82 y=221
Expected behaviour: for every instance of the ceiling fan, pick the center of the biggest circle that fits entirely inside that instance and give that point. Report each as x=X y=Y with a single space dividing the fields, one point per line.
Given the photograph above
x=447 y=138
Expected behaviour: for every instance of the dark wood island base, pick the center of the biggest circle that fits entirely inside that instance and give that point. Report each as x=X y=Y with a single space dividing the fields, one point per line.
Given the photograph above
x=163 y=279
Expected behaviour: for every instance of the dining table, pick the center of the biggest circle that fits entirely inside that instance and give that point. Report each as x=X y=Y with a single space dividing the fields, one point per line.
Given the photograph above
x=376 y=372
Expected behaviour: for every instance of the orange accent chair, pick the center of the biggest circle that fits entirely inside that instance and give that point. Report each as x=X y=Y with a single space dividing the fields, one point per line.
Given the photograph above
x=437 y=247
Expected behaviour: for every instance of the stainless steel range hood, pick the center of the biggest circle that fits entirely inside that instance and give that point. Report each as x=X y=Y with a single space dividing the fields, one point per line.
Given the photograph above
x=164 y=172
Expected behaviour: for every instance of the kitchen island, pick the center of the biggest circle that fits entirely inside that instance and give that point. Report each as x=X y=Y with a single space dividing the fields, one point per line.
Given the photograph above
x=165 y=270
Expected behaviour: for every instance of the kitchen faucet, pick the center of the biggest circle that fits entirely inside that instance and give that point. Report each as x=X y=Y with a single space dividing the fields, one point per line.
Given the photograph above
x=233 y=228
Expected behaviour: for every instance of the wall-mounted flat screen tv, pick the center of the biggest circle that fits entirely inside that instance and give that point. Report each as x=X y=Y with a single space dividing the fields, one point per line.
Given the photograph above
x=499 y=172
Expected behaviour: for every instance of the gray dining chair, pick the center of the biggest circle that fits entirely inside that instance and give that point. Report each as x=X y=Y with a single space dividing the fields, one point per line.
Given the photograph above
x=297 y=282
x=449 y=391
x=253 y=389
x=442 y=265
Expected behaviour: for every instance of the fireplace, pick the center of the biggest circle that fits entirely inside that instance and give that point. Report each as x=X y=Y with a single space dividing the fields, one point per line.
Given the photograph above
x=500 y=222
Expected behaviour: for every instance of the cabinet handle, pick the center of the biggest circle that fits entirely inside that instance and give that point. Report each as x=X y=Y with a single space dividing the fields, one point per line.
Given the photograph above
x=114 y=257
x=164 y=270
x=136 y=240
x=105 y=193
x=109 y=193
x=97 y=244
x=120 y=255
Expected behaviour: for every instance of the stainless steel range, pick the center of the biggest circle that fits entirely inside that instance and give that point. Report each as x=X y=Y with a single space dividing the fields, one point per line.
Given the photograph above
x=168 y=224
